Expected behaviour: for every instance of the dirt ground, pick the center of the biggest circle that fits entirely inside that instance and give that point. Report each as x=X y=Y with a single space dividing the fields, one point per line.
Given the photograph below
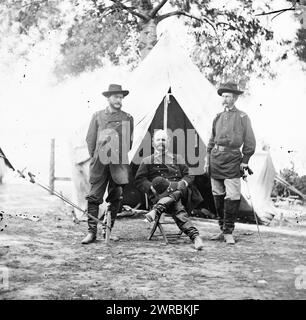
x=45 y=259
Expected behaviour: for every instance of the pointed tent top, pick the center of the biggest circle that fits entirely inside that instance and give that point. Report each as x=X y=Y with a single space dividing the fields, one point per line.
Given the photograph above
x=169 y=65
x=169 y=39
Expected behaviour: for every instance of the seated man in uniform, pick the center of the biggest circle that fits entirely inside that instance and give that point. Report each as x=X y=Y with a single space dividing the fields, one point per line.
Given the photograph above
x=172 y=167
x=166 y=192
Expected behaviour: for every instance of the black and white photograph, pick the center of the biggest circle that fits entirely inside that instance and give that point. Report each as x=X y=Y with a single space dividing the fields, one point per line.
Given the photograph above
x=152 y=151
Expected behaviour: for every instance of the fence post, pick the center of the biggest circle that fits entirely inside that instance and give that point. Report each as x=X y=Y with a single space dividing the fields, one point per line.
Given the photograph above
x=52 y=166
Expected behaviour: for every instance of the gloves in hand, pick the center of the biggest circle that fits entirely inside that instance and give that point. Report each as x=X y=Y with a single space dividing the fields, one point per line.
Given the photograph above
x=182 y=185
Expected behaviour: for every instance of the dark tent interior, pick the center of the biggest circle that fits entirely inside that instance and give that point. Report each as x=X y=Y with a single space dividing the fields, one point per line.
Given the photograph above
x=176 y=119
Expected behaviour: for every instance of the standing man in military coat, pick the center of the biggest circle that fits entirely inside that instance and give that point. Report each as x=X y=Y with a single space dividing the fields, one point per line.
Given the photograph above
x=230 y=147
x=109 y=138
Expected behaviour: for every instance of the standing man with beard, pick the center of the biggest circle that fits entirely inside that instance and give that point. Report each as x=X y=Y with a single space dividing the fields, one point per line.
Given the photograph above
x=109 y=138
x=225 y=162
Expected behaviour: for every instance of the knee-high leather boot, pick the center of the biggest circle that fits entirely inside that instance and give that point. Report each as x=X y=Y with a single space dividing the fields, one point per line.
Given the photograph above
x=231 y=208
x=219 y=205
x=92 y=209
x=113 y=208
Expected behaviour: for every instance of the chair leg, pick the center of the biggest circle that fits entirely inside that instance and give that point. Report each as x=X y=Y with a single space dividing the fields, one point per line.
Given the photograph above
x=180 y=234
x=156 y=223
x=162 y=231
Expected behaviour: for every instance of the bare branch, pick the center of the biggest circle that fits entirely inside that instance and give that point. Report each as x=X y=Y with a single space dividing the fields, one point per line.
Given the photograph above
x=278 y=14
x=130 y=10
x=177 y=13
x=183 y=13
x=292 y=8
x=277 y=11
x=157 y=8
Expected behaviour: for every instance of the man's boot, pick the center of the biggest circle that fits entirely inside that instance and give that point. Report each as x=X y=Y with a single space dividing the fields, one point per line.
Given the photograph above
x=198 y=243
x=92 y=209
x=182 y=220
x=158 y=209
x=229 y=239
x=231 y=208
x=114 y=238
x=113 y=208
x=219 y=205
x=150 y=216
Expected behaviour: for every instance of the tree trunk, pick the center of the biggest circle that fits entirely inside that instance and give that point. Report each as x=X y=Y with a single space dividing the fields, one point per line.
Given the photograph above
x=148 y=37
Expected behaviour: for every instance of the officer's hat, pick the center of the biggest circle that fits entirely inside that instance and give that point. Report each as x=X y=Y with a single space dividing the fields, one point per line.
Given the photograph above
x=115 y=89
x=163 y=186
x=229 y=87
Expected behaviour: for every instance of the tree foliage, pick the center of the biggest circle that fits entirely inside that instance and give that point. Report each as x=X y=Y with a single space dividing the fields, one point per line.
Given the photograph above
x=235 y=50
x=94 y=37
x=301 y=44
x=229 y=42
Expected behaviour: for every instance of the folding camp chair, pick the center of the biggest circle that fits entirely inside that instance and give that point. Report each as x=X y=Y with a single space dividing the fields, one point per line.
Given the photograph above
x=158 y=223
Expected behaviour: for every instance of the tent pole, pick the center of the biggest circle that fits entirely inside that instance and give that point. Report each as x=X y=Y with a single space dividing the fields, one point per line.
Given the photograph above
x=166 y=103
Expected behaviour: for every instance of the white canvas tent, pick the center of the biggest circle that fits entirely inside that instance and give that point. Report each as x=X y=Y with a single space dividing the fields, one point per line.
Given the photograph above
x=192 y=104
x=168 y=66
x=256 y=191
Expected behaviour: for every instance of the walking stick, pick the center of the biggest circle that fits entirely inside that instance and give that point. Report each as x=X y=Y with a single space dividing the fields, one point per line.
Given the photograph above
x=244 y=177
x=108 y=227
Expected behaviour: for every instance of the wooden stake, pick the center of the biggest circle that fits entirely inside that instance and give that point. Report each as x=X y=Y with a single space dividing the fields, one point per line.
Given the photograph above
x=52 y=167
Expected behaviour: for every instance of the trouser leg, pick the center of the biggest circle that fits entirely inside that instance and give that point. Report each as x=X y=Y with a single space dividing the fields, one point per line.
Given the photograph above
x=94 y=199
x=218 y=191
x=115 y=196
x=231 y=208
x=231 y=204
x=180 y=216
x=93 y=210
x=219 y=205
